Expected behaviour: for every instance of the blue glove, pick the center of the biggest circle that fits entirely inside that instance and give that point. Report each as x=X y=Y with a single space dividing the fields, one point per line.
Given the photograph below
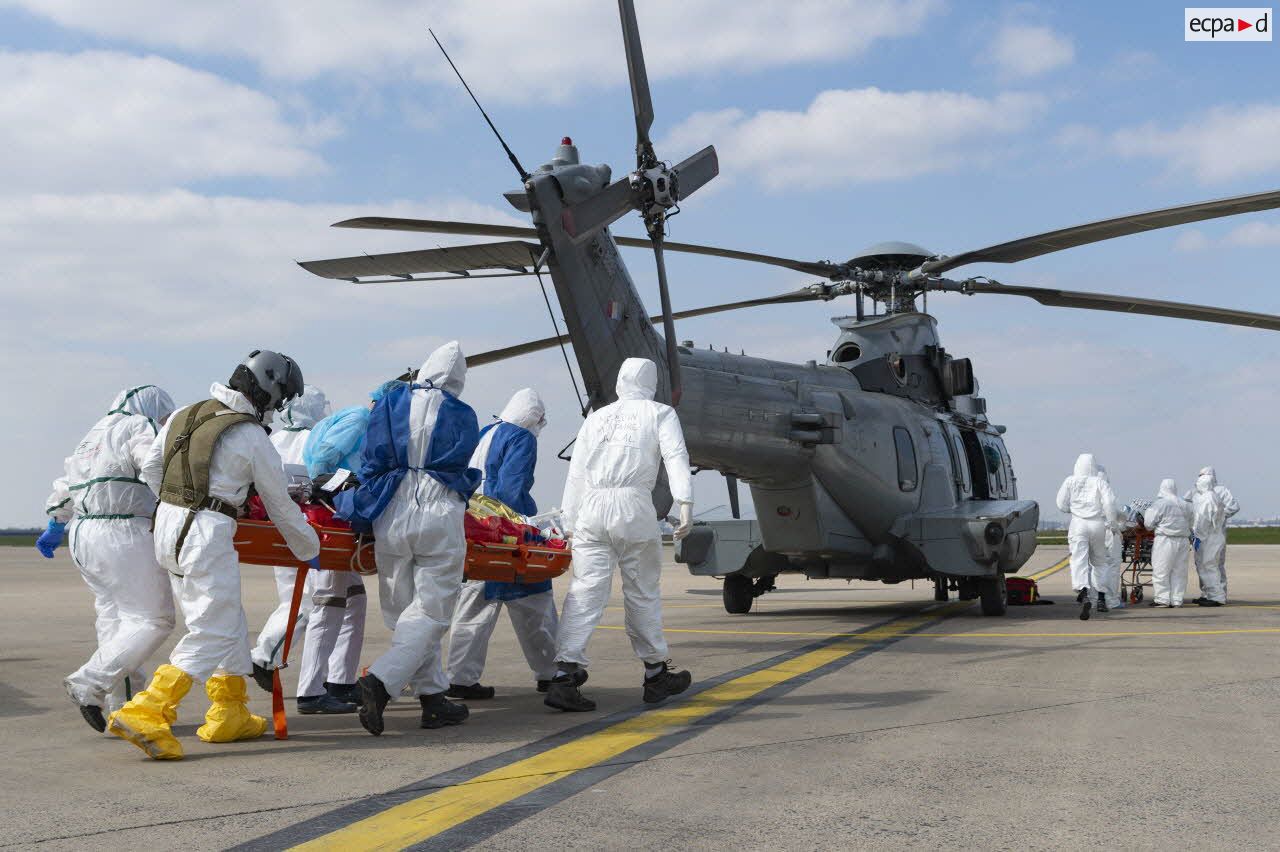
x=49 y=540
x=1195 y=543
x=315 y=563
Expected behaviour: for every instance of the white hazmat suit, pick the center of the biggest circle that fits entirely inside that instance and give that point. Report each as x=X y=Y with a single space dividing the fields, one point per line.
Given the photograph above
x=206 y=575
x=533 y=616
x=1206 y=564
x=420 y=544
x=1170 y=518
x=110 y=510
x=608 y=506
x=1088 y=498
x=1210 y=527
x=289 y=439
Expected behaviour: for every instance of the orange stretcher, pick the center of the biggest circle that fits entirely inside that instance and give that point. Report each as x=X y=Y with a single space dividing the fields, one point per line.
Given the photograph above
x=260 y=543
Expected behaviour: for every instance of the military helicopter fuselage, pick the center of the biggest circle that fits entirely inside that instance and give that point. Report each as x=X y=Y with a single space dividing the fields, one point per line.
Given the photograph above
x=879 y=464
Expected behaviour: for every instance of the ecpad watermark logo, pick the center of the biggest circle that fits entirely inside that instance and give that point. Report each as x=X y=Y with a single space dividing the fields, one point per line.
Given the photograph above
x=1227 y=24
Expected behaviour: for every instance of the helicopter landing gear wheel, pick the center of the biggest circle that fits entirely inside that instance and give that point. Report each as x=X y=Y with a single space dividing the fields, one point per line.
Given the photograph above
x=739 y=594
x=994 y=595
x=940 y=590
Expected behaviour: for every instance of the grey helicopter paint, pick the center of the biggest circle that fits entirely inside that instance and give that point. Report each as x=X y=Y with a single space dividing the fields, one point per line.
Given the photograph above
x=880 y=464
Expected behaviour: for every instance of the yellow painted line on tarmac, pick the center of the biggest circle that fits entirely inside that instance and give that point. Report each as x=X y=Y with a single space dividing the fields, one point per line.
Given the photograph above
x=427 y=816
x=1051 y=570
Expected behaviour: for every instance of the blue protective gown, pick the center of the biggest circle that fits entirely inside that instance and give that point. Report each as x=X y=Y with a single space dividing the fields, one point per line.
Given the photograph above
x=385 y=462
x=508 y=477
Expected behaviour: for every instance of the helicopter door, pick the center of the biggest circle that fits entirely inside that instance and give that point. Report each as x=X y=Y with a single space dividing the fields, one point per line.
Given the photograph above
x=959 y=463
x=977 y=464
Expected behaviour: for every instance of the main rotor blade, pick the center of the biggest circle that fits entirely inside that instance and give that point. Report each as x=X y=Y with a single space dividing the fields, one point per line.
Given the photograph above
x=1130 y=305
x=1107 y=229
x=513 y=255
x=694 y=172
x=641 y=101
x=820 y=268
x=436 y=226
x=607 y=206
x=495 y=355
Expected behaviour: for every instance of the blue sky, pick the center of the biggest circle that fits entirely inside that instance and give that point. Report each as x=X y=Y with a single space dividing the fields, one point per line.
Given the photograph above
x=167 y=163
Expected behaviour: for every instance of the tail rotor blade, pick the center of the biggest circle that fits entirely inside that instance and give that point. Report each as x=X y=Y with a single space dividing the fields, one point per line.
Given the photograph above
x=694 y=172
x=640 y=98
x=607 y=206
x=668 y=324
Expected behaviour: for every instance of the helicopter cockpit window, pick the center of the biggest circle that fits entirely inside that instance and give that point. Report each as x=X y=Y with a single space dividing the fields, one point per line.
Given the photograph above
x=847 y=354
x=906 y=449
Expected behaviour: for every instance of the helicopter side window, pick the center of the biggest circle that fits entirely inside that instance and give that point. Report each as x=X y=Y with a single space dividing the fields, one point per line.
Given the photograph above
x=908 y=475
x=959 y=464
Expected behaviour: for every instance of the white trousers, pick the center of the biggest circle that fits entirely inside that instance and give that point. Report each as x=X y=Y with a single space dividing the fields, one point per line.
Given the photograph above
x=133 y=602
x=205 y=579
x=640 y=563
x=1211 y=567
x=1169 y=568
x=1115 y=549
x=335 y=632
x=421 y=551
x=270 y=644
x=533 y=618
x=1086 y=541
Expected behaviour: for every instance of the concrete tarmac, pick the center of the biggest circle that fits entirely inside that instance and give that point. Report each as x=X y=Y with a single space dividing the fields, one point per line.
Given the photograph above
x=848 y=715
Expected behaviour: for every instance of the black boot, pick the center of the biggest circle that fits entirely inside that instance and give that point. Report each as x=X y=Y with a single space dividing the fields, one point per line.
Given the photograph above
x=474 y=692
x=1084 y=610
x=563 y=694
x=262 y=676
x=374 y=700
x=578 y=678
x=666 y=683
x=1081 y=595
x=1102 y=602
x=92 y=714
x=438 y=711
x=347 y=692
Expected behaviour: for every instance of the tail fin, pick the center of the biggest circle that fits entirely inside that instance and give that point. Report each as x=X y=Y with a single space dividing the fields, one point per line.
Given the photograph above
x=606 y=320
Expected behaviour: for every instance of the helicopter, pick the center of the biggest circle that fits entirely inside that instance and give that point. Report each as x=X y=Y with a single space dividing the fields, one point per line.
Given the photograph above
x=881 y=463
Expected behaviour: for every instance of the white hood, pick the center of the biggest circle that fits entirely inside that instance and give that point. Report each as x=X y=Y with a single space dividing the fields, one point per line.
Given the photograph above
x=1209 y=472
x=1086 y=466
x=148 y=400
x=525 y=409
x=446 y=368
x=305 y=411
x=1169 y=488
x=235 y=400
x=1205 y=483
x=637 y=379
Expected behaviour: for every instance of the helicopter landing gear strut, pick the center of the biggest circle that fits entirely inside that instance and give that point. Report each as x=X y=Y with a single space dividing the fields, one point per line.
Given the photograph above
x=741 y=591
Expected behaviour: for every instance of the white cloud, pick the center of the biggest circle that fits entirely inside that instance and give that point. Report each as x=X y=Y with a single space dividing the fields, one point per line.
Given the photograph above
x=510 y=49
x=1224 y=143
x=1024 y=50
x=857 y=135
x=115 y=263
x=1191 y=241
x=103 y=121
x=1254 y=235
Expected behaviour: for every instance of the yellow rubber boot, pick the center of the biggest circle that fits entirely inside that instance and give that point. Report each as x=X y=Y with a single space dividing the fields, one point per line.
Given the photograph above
x=145 y=719
x=229 y=719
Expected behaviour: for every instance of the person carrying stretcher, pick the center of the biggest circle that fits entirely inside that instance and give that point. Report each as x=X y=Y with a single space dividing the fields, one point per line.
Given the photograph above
x=506 y=456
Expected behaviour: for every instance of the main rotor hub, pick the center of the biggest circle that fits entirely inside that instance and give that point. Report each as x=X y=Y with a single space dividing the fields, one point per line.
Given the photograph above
x=891 y=255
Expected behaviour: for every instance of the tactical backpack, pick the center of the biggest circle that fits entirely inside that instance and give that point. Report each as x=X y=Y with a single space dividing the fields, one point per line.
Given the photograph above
x=188 y=452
